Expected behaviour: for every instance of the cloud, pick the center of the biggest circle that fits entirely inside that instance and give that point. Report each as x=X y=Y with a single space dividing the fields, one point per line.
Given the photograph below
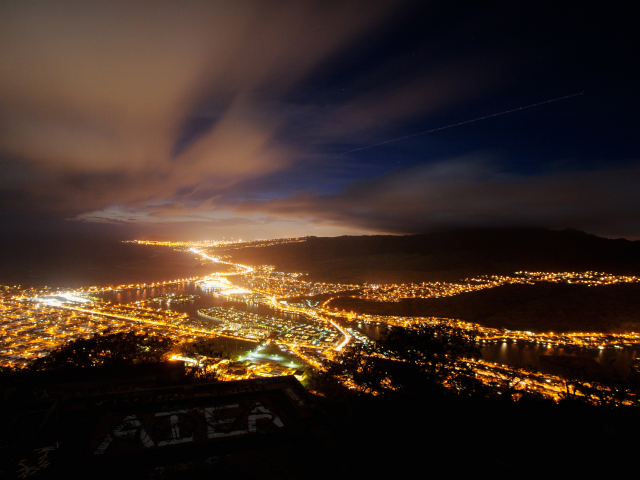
x=441 y=84
x=130 y=103
x=229 y=115
x=474 y=191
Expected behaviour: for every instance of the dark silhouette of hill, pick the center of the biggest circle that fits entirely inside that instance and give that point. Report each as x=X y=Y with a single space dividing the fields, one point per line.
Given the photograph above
x=447 y=256
x=539 y=307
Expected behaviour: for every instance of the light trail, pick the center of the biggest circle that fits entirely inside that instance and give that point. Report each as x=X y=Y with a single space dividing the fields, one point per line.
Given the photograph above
x=246 y=268
x=275 y=304
x=347 y=335
x=296 y=350
x=462 y=123
x=153 y=322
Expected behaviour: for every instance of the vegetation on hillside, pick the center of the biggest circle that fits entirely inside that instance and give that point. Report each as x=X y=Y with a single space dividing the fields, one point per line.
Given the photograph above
x=106 y=350
x=431 y=362
x=541 y=307
x=446 y=256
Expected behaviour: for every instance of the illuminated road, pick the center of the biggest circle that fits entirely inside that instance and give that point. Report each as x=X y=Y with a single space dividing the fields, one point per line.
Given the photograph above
x=161 y=324
x=302 y=311
x=347 y=336
x=279 y=306
x=217 y=260
x=270 y=286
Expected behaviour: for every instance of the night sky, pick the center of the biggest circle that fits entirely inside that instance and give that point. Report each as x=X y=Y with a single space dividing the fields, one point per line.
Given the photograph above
x=204 y=120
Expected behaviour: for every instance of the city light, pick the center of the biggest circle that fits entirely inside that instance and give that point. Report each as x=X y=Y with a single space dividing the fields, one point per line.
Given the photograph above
x=37 y=320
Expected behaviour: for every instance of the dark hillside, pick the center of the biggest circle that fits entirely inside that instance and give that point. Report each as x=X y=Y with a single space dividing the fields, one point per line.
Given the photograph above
x=447 y=256
x=539 y=307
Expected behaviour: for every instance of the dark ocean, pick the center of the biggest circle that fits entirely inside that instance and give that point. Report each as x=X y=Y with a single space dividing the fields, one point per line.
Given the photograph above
x=77 y=261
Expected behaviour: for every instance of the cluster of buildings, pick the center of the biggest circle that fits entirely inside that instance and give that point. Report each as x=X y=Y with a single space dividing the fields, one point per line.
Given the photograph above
x=256 y=326
x=265 y=279
x=170 y=298
x=219 y=243
x=259 y=243
x=131 y=286
x=31 y=326
x=586 y=278
x=488 y=335
x=311 y=335
x=37 y=320
x=29 y=331
x=397 y=292
x=256 y=365
x=247 y=370
x=518 y=380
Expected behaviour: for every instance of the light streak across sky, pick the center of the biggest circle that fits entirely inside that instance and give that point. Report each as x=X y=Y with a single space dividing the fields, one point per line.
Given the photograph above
x=463 y=123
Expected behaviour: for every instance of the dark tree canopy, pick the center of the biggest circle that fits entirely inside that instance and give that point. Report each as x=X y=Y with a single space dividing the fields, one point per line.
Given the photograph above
x=607 y=390
x=421 y=360
x=432 y=354
x=110 y=350
x=212 y=361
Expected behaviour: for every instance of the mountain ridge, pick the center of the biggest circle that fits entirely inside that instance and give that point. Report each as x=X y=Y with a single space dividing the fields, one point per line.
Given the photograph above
x=447 y=256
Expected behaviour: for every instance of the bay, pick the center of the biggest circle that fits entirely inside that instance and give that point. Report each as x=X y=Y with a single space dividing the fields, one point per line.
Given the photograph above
x=66 y=261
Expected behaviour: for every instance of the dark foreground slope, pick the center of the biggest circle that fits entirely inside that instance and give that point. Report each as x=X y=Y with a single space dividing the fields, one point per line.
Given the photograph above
x=81 y=425
x=540 y=307
x=447 y=256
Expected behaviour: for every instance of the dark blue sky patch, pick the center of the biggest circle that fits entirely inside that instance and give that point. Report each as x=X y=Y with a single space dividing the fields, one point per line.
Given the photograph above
x=192 y=129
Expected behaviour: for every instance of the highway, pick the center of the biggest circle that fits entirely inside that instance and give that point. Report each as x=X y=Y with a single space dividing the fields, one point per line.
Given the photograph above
x=278 y=306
